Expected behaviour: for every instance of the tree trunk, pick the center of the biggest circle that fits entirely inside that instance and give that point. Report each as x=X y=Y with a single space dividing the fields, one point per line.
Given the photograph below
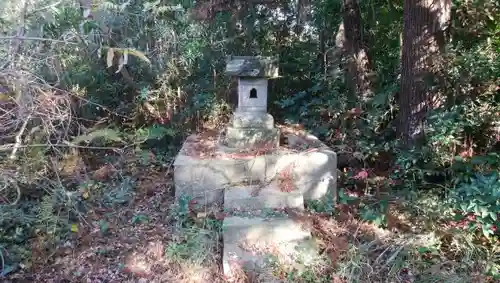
x=357 y=74
x=423 y=38
x=303 y=12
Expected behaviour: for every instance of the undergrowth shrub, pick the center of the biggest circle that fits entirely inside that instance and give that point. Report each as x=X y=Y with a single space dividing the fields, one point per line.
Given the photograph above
x=478 y=200
x=196 y=239
x=121 y=79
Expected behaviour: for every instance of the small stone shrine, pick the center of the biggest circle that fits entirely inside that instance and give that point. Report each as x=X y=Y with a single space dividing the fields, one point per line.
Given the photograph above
x=255 y=179
x=251 y=124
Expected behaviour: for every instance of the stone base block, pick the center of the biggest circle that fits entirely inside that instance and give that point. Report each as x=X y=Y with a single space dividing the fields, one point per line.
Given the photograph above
x=260 y=120
x=249 y=242
x=245 y=138
x=313 y=171
x=205 y=179
x=259 y=197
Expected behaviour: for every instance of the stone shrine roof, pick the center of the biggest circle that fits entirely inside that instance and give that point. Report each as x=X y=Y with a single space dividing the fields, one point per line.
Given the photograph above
x=252 y=66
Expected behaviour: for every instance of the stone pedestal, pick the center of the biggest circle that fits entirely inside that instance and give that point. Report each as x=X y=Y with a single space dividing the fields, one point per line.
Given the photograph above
x=313 y=171
x=244 y=138
x=252 y=130
x=250 y=186
x=259 y=120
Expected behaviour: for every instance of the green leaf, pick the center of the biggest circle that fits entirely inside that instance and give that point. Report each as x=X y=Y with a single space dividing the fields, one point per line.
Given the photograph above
x=463 y=207
x=423 y=250
x=484 y=212
x=106 y=134
x=103 y=227
x=89 y=26
x=487 y=230
x=472 y=226
x=493 y=215
x=379 y=220
x=154 y=132
x=341 y=194
x=476 y=210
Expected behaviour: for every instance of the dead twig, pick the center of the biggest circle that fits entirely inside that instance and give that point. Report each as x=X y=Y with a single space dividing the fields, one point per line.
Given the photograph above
x=19 y=138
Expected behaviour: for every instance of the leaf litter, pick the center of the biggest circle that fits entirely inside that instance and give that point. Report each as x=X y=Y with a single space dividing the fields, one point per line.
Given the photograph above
x=128 y=243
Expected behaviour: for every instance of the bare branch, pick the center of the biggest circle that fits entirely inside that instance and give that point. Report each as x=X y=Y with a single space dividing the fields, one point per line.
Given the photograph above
x=24 y=38
x=19 y=138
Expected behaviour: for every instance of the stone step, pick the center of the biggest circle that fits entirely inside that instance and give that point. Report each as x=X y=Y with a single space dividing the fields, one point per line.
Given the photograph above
x=249 y=243
x=258 y=197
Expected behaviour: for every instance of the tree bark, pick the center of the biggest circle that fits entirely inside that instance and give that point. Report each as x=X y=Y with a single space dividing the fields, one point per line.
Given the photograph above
x=423 y=39
x=357 y=74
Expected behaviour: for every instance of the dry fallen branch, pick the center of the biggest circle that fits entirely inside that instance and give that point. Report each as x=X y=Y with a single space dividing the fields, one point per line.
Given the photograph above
x=18 y=138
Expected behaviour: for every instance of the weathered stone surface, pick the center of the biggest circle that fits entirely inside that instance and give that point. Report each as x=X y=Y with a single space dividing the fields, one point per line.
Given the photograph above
x=251 y=137
x=258 y=197
x=252 y=95
x=248 y=242
x=252 y=66
x=313 y=171
x=205 y=179
x=252 y=120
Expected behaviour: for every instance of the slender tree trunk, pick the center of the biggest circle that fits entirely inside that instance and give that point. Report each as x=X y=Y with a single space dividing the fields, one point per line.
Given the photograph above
x=424 y=24
x=357 y=74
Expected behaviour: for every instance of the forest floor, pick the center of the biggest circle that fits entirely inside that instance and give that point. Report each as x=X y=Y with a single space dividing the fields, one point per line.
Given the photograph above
x=134 y=242
x=149 y=239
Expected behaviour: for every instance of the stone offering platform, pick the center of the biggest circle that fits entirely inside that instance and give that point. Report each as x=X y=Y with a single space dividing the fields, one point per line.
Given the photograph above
x=204 y=167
